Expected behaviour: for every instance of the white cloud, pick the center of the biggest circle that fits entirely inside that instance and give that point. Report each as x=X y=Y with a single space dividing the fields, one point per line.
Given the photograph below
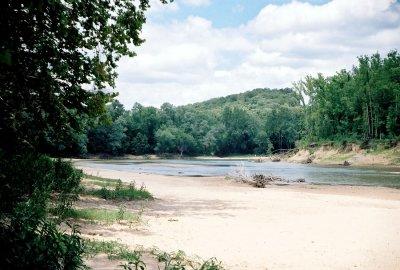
x=190 y=60
x=365 y=16
x=196 y=2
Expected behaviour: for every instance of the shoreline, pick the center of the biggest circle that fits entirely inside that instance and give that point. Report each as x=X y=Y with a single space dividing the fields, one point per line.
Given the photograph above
x=322 y=156
x=224 y=181
x=280 y=227
x=287 y=173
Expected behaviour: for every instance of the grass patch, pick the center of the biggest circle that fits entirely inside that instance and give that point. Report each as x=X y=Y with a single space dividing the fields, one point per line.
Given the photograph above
x=119 y=192
x=101 y=181
x=103 y=215
x=179 y=261
x=113 y=250
x=166 y=261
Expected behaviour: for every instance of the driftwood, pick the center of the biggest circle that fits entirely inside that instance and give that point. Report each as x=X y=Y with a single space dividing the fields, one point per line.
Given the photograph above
x=261 y=180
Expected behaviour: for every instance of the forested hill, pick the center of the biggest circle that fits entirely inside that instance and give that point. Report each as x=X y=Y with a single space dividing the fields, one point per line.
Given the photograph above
x=359 y=105
x=257 y=121
x=258 y=101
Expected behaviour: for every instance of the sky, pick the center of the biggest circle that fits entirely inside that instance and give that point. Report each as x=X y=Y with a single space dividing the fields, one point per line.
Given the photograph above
x=200 y=49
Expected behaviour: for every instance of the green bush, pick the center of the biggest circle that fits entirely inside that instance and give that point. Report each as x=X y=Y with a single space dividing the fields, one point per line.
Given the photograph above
x=179 y=261
x=121 y=193
x=113 y=249
x=211 y=264
x=39 y=245
x=30 y=183
x=166 y=261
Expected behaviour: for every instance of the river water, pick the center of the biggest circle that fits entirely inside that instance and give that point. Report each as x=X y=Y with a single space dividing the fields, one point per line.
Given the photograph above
x=333 y=175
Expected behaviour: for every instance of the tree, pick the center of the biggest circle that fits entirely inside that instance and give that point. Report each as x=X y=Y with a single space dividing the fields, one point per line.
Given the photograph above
x=283 y=126
x=52 y=50
x=115 y=110
x=362 y=103
x=141 y=125
x=173 y=140
x=240 y=128
x=264 y=145
x=107 y=138
x=168 y=115
x=166 y=141
x=50 y=53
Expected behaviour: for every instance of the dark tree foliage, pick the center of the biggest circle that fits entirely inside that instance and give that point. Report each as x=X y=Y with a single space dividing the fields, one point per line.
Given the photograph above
x=51 y=51
x=141 y=126
x=239 y=132
x=237 y=124
x=55 y=59
x=284 y=125
x=363 y=103
x=30 y=239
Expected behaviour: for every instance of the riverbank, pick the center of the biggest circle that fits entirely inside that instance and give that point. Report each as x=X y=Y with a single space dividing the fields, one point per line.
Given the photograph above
x=352 y=155
x=292 y=227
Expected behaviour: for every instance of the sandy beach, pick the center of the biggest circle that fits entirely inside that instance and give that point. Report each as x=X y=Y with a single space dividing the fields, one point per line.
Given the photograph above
x=279 y=227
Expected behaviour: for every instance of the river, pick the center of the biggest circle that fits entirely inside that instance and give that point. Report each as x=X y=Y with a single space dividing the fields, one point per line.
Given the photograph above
x=313 y=174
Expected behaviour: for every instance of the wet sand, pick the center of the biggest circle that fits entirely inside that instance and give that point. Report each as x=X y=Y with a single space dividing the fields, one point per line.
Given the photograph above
x=288 y=227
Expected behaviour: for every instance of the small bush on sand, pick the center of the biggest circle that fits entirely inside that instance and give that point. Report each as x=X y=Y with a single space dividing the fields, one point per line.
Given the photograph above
x=212 y=264
x=113 y=250
x=133 y=259
x=30 y=239
x=129 y=194
x=120 y=192
x=179 y=261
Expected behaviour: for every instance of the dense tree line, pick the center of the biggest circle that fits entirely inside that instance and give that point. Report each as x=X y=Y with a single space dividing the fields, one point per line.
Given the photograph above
x=361 y=104
x=220 y=126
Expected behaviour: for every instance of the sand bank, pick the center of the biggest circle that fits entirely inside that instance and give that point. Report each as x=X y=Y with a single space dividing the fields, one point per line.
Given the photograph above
x=295 y=227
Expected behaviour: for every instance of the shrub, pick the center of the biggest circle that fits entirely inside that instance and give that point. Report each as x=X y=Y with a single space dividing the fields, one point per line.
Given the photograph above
x=30 y=240
x=113 y=249
x=211 y=264
x=179 y=261
x=121 y=193
x=167 y=261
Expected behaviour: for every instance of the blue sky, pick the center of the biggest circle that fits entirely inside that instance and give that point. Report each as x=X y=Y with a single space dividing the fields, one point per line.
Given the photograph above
x=223 y=13
x=199 y=49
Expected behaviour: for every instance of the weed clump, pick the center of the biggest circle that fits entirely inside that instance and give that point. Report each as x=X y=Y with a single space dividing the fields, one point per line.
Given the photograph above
x=103 y=215
x=179 y=261
x=121 y=192
x=134 y=259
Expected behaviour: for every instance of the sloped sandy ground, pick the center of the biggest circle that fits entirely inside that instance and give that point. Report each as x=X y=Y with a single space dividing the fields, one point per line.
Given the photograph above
x=356 y=157
x=296 y=227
